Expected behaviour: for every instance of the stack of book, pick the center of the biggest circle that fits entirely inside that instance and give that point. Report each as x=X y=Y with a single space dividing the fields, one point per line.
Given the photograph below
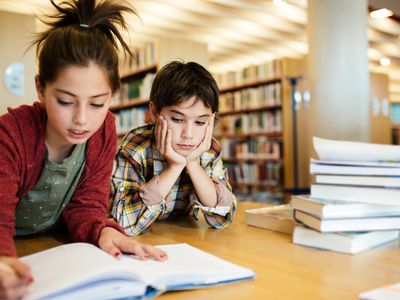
x=355 y=202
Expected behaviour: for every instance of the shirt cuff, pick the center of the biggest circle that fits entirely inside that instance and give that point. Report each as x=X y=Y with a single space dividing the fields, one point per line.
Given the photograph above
x=150 y=192
x=224 y=195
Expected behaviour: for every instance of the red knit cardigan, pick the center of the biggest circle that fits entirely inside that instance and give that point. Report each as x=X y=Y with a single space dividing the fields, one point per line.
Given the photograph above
x=22 y=153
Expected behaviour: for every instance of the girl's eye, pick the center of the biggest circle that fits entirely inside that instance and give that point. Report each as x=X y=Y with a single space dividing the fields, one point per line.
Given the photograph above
x=97 y=105
x=62 y=102
x=176 y=120
x=200 y=123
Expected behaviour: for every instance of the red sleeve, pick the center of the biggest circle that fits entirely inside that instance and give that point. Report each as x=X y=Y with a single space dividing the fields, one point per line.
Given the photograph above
x=87 y=213
x=9 y=179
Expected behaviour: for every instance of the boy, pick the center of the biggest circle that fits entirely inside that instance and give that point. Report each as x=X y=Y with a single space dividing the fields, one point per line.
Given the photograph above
x=173 y=167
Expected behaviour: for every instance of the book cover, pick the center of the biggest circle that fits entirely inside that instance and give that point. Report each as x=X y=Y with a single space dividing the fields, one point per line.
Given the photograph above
x=328 y=208
x=351 y=243
x=84 y=271
x=372 y=195
x=277 y=218
x=348 y=224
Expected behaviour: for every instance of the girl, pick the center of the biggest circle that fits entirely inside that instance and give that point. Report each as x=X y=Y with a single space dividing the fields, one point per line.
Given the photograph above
x=57 y=155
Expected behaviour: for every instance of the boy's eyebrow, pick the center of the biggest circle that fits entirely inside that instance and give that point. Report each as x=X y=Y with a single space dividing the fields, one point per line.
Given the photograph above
x=182 y=114
x=73 y=95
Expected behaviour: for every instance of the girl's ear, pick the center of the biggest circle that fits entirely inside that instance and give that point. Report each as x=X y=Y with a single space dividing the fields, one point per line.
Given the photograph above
x=153 y=112
x=39 y=89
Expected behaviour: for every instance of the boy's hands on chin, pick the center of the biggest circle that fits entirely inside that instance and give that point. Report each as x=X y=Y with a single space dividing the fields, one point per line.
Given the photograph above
x=15 y=278
x=205 y=144
x=164 y=143
x=114 y=242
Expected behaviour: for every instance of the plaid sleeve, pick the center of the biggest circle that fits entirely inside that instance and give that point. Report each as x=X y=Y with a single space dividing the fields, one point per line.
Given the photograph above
x=222 y=215
x=128 y=208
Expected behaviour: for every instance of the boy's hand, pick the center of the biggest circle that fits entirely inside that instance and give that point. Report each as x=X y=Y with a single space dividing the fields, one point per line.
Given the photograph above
x=15 y=278
x=206 y=142
x=164 y=143
x=114 y=242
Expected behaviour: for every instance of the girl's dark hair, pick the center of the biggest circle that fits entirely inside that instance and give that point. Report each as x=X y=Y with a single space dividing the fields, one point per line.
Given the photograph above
x=83 y=31
x=178 y=81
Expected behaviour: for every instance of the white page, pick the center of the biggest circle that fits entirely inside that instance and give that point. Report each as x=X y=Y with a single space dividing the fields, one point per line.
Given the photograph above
x=389 y=292
x=186 y=264
x=355 y=151
x=71 y=265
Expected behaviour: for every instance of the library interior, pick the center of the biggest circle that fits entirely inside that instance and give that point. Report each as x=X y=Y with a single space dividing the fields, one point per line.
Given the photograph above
x=308 y=124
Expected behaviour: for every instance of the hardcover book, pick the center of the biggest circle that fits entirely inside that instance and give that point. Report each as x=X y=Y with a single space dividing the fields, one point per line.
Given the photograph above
x=328 y=208
x=83 y=271
x=277 y=218
x=351 y=243
x=372 y=181
x=347 y=224
x=372 y=195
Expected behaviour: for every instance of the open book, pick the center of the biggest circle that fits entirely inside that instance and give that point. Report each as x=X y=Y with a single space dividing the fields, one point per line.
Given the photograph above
x=83 y=271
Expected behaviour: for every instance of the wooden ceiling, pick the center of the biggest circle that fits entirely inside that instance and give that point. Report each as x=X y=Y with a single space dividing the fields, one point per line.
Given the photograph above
x=243 y=32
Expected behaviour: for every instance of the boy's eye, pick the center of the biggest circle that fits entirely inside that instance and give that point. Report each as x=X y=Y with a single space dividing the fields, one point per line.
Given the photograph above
x=200 y=123
x=62 y=102
x=176 y=120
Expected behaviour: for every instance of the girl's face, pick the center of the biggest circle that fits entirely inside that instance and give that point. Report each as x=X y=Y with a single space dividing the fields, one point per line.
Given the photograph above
x=188 y=123
x=76 y=104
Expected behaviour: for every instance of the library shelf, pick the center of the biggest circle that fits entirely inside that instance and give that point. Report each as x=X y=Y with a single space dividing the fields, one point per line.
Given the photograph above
x=238 y=136
x=140 y=72
x=250 y=160
x=129 y=104
x=246 y=85
x=250 y=110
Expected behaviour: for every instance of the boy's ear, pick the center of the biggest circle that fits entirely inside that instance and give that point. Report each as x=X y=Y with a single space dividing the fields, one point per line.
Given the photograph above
x=39 y=89
x=153 y=112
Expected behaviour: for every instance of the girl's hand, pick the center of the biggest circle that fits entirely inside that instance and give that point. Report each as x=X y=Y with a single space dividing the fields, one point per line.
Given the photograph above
x=164 y=143
x=114 y=242
x=206 y=142
x=15 y=278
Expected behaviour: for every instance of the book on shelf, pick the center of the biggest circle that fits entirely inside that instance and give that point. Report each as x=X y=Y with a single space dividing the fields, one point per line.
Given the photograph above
x=86 y=272
x=372 y=195
x=348 y=224
x=328 y=208
x=277 y=218
x=350 y=242
x=377 y=181
x=387 y=292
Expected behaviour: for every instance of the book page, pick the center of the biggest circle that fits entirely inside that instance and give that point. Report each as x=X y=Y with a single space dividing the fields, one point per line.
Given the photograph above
x=389 y=292
x=67 y=267
x=186 y=266
x=355 y=151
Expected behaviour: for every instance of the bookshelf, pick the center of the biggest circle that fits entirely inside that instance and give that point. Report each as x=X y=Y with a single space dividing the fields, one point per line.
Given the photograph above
x=255 y=129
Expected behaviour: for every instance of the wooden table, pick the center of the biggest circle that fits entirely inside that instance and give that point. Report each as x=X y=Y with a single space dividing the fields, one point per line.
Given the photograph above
x=283 y=270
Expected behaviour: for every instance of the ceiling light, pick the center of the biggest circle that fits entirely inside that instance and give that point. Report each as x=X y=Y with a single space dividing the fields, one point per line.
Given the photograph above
x=381 y=13
x=384 y=61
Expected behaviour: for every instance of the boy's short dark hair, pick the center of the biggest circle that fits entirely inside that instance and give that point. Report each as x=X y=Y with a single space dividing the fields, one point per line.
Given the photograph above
x=179 y=81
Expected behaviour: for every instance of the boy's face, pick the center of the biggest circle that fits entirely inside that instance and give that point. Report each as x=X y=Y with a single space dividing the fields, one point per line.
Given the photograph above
x=188 y=122
x=76 y=104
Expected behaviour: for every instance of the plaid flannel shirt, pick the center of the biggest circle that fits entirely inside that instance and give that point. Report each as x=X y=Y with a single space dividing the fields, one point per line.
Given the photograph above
x=138 y=164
